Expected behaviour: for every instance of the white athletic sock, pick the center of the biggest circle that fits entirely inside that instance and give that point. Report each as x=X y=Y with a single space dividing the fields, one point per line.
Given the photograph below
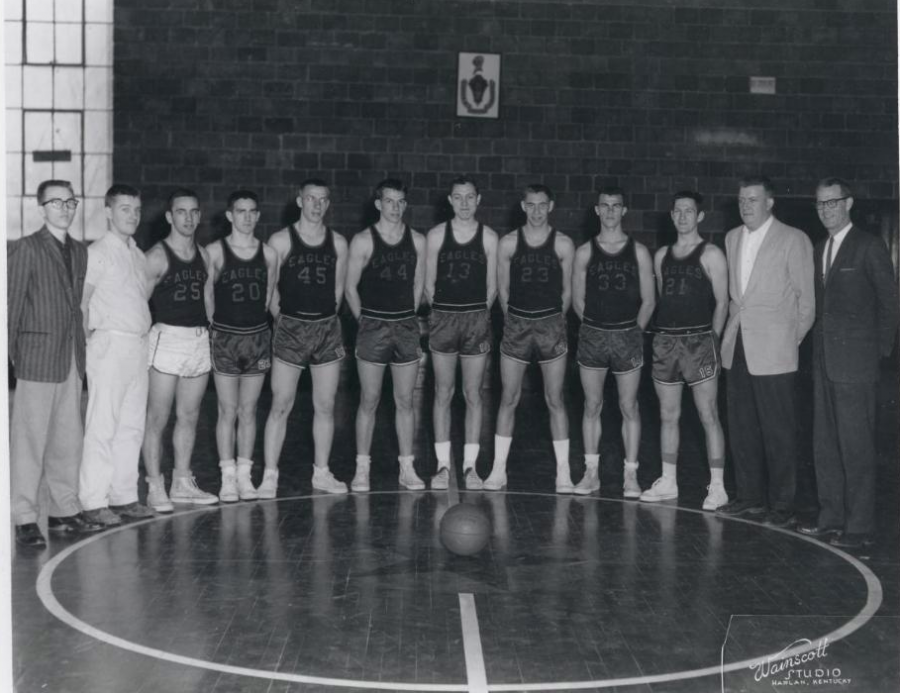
x=669 y=470
x=442 y=451
x=225 y=464
x=561 y=450
x=244 y=460
x=591 y=460
x=716 y=476
x=363 y=459
x=470 y=455
x=406 y=460
x=501 y=451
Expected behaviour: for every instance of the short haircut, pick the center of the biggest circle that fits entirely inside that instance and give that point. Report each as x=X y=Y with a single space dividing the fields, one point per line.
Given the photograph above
x=537 y=188
x=122 y=189
x=764 y=181
x=313 y=182
x=241 y=195
x=832 y=180
x=611 y=191
x=390 y=184
x=463 y=180
x=180 y=192
x=53 y=183
x=688 y=195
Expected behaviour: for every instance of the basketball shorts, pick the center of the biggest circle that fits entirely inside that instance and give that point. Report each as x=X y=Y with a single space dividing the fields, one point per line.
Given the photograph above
x=388 y=341
x=466 y=334
x=539 y=339
x=241 y=354
x=690 y=358
x=181 y=351
x=621 y=351
x=308 y=343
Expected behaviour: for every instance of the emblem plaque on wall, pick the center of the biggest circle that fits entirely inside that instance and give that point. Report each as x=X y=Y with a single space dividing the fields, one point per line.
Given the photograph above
x=478 y=85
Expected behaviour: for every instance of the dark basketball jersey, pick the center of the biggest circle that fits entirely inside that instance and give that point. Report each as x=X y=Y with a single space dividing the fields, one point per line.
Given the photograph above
x=240 y=291
x=535 y=279
x=612 y=289
x=178 y=298
x=461 y=282
x=686 y=301
x=387 y=283
x=306 y=280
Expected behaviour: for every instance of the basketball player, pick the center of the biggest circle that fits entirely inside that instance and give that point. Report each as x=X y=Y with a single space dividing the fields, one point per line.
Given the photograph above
x=692 y=278
x=179 y=351
x=117 y=319
x=385 y=276
x=614 y=297
x=242 y=271
x=312 y=264
x=534 y=268
x=460 y=284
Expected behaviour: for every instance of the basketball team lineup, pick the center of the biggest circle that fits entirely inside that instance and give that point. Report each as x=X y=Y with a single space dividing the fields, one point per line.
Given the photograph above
x=188 y=310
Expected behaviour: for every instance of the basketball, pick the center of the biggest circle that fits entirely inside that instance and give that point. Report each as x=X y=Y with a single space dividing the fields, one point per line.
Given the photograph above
x=465 y=529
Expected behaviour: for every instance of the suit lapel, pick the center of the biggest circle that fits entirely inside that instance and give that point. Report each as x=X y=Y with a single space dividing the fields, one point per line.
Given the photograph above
x=51 y=245
x=766 y=249
x=844 y=254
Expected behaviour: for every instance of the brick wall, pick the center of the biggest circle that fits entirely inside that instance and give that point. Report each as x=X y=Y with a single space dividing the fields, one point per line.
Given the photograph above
x=652 y=95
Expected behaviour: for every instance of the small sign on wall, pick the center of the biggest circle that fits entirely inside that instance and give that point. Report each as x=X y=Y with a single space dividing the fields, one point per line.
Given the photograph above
x=762 y=85
x=478 y=85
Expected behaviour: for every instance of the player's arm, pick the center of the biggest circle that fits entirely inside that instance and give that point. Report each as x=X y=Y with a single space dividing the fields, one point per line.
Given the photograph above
x=209 y=296
x=716 y=268
x=579 y=277
x=157 y=264
x=18 y=282
x=490 y=252
x=648 y=290
x=419 y=277
x=565 y=251
x=340 y=269
x=357 y=257
x=280 y=243
x=657 y=267
x=271 y=258
x=216 y=260
x=505 y=249
x=433 y=242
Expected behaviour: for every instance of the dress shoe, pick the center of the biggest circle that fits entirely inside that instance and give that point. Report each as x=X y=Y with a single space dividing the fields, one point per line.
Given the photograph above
x=740 y=508
x=852 y=541
x=72 y=523
x=780 y=518
x=30 y=535
x=811 y=530
x=132 y=511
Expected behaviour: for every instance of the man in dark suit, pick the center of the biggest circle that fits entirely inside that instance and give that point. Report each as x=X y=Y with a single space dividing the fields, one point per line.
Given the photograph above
x=46 y=347
x=856 y=322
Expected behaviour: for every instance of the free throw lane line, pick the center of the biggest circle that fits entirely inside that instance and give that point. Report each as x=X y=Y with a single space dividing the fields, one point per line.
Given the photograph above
x=475 y=672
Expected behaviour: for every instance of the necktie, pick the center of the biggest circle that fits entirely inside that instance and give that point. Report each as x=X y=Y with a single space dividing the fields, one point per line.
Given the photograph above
x=828 y=257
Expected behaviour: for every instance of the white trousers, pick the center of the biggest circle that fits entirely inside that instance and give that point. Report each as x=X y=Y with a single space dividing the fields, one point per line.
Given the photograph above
x=118 y=383
x=45 y=445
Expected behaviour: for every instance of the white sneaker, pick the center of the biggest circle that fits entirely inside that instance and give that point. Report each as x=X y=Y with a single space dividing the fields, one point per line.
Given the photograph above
x=473 y=481
x=564 y=479
x=589 y=483
x=495 y=481
x=360 y=481
x=409 y=479
x=245 y=488
x=323 y=480
x=441 y=480
x=716 y=497
x=268 y=487
x=228 y=492
x=157 y=498
x=630 y=486
x=663 y=489
x=185 y=490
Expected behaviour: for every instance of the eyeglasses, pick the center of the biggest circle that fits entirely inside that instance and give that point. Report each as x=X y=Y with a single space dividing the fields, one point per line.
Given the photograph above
x=58 y=204
x=830 y=204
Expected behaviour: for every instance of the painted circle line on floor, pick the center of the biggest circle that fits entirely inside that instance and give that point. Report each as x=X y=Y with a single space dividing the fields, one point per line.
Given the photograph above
x=44 y=589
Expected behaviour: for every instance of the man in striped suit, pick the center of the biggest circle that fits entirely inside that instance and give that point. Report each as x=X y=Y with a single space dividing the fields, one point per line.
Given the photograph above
x=46 y=347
